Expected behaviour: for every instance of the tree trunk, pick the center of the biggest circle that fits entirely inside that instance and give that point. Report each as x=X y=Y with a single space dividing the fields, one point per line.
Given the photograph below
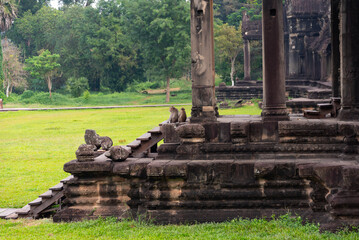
x=168 y=90
x=49 y=85
x=233 y=61
x=8 y=90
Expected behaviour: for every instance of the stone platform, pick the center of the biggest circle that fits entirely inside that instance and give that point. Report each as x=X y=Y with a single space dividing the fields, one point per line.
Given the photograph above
x=239 y=166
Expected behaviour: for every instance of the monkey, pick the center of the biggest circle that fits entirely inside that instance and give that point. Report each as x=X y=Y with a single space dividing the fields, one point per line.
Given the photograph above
x=182 y=115
x=174 y=115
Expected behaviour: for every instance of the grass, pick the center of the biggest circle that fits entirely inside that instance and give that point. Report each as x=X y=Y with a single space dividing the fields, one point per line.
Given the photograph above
x=95 y=99
x=36 y=145
x=283 y=228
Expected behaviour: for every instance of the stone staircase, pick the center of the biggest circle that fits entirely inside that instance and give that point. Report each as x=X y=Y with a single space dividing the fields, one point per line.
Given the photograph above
x=324 y=110
x=146 y=145
x=45 y=205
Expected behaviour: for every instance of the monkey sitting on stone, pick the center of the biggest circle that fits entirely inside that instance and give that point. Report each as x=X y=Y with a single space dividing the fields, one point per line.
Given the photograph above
x=174 y=115
x=182 y=117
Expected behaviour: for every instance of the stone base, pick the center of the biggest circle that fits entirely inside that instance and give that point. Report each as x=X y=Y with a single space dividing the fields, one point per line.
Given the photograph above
x=241 y=167
x=349 y=114
x=171 y=191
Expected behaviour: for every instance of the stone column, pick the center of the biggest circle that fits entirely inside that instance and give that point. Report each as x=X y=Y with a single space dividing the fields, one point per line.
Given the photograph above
x=274 y=100
x=247 y=59
x=349 y=60
x=335 y=48
x=202 y=43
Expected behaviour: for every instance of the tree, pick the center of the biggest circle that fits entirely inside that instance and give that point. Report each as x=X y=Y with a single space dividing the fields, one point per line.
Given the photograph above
x=13 y=68
x=162 y=29
x=8 y=12
x=77 y=86
x=85 y=3
x=31 y=5
x=45 y=66
x=229 y=42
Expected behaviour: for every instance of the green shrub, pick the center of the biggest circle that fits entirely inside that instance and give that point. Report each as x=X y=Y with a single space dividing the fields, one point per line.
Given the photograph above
x=77 y=86
x=27 y=94
x=105 y=90
x=86 y=95
x=140 y=86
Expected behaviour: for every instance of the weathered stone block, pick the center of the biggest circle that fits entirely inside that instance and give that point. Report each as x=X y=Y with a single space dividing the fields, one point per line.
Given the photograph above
x=243 y=173
x=199 y=171
x=222 y=171
x=123 y=168
x=330 y=174
x=211 y=132
x=169 y=133
x=118 y=153
x=86 y=153
x=224 y=133
x=255 y=131
x=167 y=148
x=239 y=129
x=176 y=169
x=188 y=150
x=191 y=131
x=138 y=169
x=87 y=167
x=307 y=128
x=156 y=168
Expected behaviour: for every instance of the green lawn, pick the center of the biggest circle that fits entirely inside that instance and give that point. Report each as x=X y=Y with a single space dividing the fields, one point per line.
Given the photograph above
x=40 y=100
x=35 y=145
x=284 y=228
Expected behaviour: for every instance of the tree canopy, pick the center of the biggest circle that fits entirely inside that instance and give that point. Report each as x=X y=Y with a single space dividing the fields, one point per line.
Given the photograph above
x=120 y=42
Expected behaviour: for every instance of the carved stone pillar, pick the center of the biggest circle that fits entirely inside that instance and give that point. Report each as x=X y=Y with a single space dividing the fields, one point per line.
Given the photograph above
x=274 y=100
x=349 y=56
x=247 y=59
x=202 y=43
x=335 y=48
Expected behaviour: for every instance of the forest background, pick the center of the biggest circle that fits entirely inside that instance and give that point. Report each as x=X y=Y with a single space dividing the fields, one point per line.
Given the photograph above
x=113 y=45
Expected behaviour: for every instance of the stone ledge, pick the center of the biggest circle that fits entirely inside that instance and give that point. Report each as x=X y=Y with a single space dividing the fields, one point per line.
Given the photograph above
x=75 y=166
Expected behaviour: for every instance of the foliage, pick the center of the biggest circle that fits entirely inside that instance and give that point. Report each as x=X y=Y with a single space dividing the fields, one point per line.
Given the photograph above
x=229 y=43
x=27 y=94
x=77 y=86
x=141 y=86
x=8 y=12
x=85 y=3
x=165 y=41
x=86 y=95
x=31 y=5
x=12 y=67
x=120 y=42
x=44 y=66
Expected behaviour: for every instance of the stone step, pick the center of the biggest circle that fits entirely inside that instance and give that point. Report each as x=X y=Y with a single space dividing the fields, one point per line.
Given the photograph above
x=57 y=187
x=67 y=179
x=325 y=106
x=12 y=216
x=312 y=114
x=47 y=194
x=144 y=137
x=24 y=211
x=155 y=130
x=134 y=144
x=6 y=212
x=36 y=202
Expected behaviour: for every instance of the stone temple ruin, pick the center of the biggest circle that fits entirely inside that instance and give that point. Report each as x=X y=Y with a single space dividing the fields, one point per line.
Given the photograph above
x=215 y=168
x=307 y=50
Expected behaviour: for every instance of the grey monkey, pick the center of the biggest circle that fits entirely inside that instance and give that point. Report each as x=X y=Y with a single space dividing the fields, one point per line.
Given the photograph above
x=182 y=115
x=174 y=115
